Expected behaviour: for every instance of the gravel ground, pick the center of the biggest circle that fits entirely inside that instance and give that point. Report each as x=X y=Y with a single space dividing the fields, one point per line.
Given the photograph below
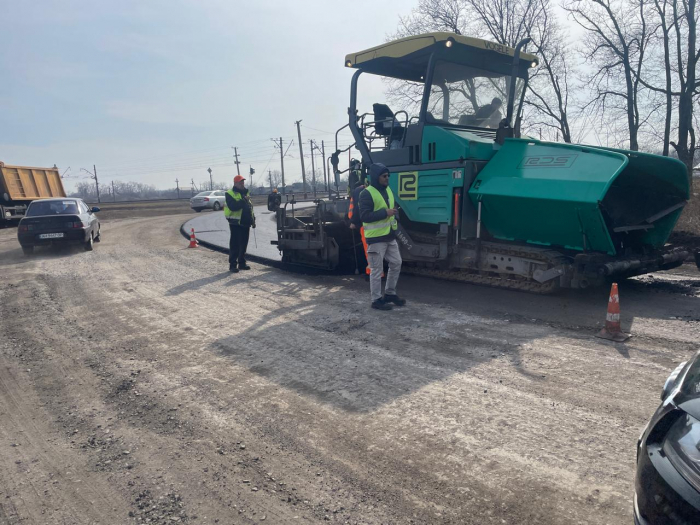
x=142 y=383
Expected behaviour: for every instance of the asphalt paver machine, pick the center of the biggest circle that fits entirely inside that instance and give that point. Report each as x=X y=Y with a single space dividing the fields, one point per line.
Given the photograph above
x=480 y=202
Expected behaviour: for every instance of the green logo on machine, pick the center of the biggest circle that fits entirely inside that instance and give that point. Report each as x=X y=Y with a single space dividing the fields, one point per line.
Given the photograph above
x=548 y=161
x=408 y=185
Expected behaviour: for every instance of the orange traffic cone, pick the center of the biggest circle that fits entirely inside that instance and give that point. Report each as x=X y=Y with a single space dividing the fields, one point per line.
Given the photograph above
x=612 y=330
x=193 y=240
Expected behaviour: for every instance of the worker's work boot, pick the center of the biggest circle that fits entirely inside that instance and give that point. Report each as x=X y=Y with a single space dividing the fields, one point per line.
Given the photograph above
x=394 y=299
x=232 y=268
x=379 y=304
x=243 y=267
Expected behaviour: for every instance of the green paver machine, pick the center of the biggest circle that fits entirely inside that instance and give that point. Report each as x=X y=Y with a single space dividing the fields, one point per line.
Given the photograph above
x=481 y=203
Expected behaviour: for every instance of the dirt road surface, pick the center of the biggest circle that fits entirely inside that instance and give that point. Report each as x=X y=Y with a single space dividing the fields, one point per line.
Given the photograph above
x=142 y=383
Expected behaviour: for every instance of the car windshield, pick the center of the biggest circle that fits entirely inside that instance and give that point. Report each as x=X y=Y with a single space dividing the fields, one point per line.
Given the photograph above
x=204 y=194
x=468 y=96
x=38 y=208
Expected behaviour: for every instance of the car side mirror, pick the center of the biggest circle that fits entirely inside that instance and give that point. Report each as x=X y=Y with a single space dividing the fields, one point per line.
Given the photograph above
x=94 y=209
x=671 y=381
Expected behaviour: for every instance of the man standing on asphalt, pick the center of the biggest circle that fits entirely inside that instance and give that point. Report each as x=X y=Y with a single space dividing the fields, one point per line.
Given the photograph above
x=274 y=200
x=379 y=222
x=239 y=213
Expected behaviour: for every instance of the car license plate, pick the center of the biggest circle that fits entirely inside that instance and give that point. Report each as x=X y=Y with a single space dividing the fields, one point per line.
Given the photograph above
x=50 y=236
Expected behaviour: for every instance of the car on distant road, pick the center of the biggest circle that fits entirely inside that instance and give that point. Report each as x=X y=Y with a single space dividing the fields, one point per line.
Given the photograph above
x=667 y=484
x=213 y=200
x=58 y=221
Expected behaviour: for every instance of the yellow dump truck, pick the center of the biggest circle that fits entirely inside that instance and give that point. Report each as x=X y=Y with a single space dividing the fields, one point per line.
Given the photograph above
x=20 y=185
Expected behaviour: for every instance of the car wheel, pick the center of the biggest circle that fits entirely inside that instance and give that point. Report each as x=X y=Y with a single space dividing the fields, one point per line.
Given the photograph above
x=28 y=250
x=198 y=210
x=217 y=206
x=88 y=244
x=98 y=238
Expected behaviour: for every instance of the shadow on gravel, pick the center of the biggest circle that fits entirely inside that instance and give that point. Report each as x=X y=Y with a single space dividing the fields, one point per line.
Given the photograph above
x=196 y=284
x=336 y=350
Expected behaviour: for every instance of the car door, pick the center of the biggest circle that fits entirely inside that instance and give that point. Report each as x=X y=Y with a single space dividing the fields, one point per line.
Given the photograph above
x=221 y=197
x=86 y=215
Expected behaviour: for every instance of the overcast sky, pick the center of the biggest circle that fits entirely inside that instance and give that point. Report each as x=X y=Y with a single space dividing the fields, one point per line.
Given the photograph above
x=156 y=90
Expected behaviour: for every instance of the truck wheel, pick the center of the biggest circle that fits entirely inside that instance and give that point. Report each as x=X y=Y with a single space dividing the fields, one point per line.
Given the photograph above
x=28 y=250
x=89 y=244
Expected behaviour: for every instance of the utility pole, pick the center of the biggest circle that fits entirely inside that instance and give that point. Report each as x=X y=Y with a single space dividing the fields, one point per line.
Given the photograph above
x=114 y=193
x=323 y=156
x=93 y=175
x=282 y=154
x=177 y=184
x=269 y=173
x=235 y=154
x=301 y=156
x=313 y=167
x=97 y=184
x=211 y=180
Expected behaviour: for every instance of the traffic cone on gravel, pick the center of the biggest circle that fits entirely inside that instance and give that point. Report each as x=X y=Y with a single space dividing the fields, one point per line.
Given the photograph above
x=612 y=330
x=193 y=240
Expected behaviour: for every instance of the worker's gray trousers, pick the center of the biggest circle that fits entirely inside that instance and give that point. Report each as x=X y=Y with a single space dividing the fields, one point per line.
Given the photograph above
x=376 y=253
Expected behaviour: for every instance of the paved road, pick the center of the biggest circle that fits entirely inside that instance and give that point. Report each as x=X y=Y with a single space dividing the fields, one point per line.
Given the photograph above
x=213 y=229
x=143 y=381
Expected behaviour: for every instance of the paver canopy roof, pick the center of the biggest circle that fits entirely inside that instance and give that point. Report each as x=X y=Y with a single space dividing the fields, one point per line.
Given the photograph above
x=407 y=58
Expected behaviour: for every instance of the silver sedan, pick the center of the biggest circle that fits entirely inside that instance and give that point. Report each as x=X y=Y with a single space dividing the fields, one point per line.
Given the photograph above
x=213 y=200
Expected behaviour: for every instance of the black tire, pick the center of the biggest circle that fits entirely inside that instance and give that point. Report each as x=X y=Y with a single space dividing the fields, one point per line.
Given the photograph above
x=217 y=206
x=98 y=238
x=89 y=244
x=28 y=250
x=198 y=210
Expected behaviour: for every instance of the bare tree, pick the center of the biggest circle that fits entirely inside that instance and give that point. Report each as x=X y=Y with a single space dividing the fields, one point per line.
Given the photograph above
x=687 y=59
x=85 y=190
x=550 y=85
x=436 y=15
x=614 y=44
x=666 y=22
x=276 y=177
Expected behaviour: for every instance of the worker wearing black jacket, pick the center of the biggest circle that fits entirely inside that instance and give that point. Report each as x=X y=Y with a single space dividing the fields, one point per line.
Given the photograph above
x=378 y=214
x=240 y=216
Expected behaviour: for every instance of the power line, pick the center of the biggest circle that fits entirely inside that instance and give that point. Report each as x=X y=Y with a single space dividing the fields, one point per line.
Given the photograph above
x=320 y=130
x=175 y=156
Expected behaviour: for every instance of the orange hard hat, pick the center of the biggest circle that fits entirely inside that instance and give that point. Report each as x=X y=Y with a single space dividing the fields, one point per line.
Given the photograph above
x=238 y=178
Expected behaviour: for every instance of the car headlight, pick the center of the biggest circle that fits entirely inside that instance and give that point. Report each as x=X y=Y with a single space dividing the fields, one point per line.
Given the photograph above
x=682 y=448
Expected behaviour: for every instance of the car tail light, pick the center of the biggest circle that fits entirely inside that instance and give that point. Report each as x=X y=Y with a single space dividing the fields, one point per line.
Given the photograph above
x=23 y=228
x=79 y=224
x=206 y=199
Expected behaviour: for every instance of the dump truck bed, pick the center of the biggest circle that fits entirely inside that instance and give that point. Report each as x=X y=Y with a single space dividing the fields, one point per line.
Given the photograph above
x=24 y=183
